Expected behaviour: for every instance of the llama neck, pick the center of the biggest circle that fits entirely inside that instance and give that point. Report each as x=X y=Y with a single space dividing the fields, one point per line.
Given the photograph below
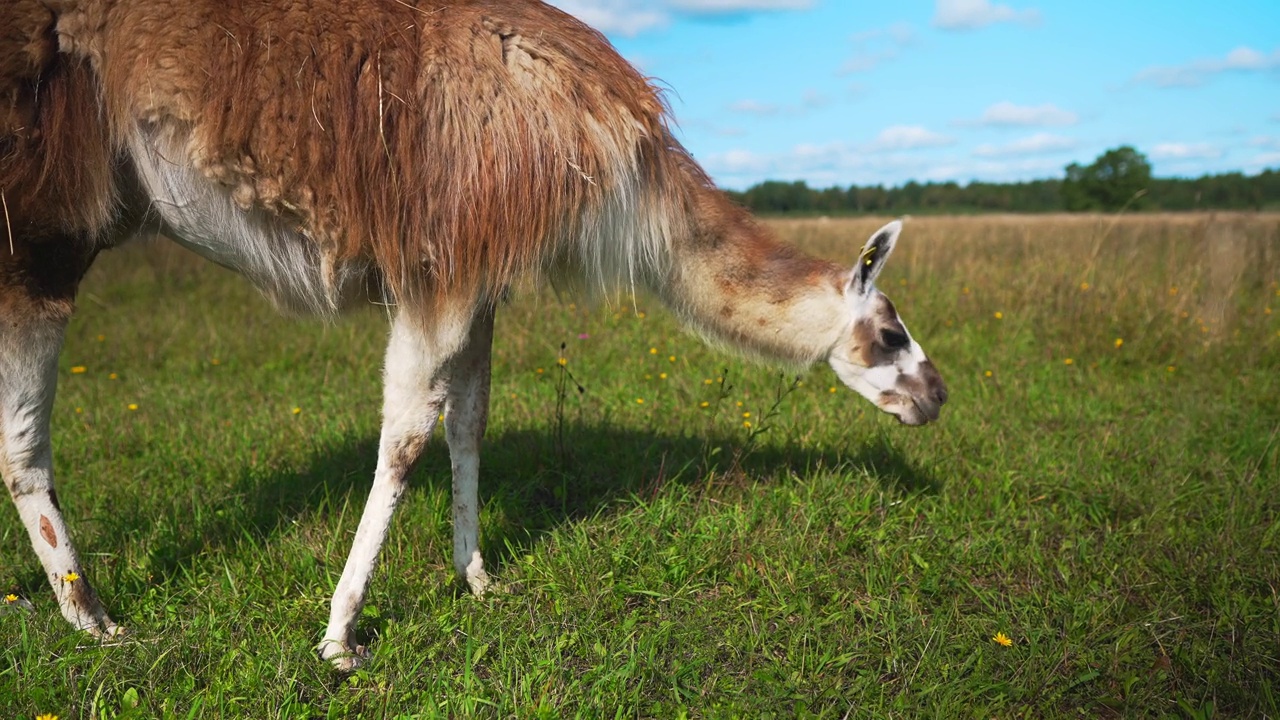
x=734 y=282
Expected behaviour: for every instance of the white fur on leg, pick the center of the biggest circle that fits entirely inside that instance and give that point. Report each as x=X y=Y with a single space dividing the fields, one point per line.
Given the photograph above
x=468 y=413
x=28 y=378
x=414 y=389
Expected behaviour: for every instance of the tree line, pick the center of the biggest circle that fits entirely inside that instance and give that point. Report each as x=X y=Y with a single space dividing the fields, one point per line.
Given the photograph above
x=1118 y=179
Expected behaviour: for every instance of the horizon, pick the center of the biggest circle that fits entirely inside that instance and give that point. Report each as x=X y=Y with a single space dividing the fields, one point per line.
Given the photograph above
x=836 y=94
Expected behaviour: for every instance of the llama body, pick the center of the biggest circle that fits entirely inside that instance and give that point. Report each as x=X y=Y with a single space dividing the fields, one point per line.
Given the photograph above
x=424 y=156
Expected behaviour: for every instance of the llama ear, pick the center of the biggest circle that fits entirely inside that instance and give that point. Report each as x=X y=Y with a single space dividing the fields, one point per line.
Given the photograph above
x=873 y=256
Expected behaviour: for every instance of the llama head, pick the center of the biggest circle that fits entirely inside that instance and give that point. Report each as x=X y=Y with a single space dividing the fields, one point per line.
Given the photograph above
x=875 y=354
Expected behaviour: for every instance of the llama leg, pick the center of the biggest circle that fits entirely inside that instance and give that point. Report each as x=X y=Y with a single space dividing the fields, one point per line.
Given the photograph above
x=28 y=377
x=415 y=382
x=466 y=415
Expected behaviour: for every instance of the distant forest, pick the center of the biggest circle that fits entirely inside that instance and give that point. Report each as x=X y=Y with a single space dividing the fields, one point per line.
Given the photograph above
x=1231 y=191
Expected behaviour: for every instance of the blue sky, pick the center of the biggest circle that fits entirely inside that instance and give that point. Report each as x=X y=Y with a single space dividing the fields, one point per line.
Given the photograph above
x=844 y=91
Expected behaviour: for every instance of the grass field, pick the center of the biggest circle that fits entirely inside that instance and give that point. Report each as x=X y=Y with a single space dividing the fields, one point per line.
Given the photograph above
x=693 y=535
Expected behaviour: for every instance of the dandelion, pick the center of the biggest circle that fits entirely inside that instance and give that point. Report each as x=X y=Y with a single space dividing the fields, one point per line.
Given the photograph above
x=71 y=577
x=739 y=403
x=47 y=716
x=1068 y=361
x=562 y=361
x=1084 y=286
x=640 y=315
x=999 y=315
x=987 y=373
x=215 y=361
x=1173 y=290
x=639 y=401
x=79 y=410
x=671 y=358
x=746 y=414
x=964 y=290
x=297 y=410
x=1001 y=639
x=831 y=389
x=746 y=423
x=1119 y=342
x=133 y=406
x=662 y=376
x=708 y=381
x=113 y=376
x=539 y=371
x=10 y=599
x=78 y=369
x=703 y=404
x=1171 y=368
x=102 y=338
x=653 y=351
x=1266 y=311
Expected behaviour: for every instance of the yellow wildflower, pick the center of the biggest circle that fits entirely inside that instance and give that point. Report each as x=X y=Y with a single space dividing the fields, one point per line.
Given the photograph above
x=746 y=423
x=987 y=373
x=746 y=415
x=47 y=716
x=101 y=338
x=71 y=577
x=662 y=376
x=78 y=369
x=1119 y=342
x=639 y=401
x=1001 y=639
x=215 y=361
x=1171 y=368
x=999 y=315
x=832 y=389
x=113 y=376
x=964 y=290
x=298 y=410
x=133 y=406
x=10 y=599
x=704 y=403
x=708 y=381
x=1084 y=286
x=1068 y=361
x=653 y=351
x=563 y=361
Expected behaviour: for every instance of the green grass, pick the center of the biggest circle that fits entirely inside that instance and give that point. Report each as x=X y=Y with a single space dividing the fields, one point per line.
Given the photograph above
x=1116 y=516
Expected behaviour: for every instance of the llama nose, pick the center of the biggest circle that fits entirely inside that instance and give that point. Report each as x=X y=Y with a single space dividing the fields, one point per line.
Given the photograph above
x=941 y=395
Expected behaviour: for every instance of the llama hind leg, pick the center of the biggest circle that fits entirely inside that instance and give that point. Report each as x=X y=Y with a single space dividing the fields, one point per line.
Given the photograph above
x=415 y=386
x=28 y=378
x=466 y=416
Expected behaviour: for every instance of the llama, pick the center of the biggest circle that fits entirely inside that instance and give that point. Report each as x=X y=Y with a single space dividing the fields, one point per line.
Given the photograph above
x=426 y=155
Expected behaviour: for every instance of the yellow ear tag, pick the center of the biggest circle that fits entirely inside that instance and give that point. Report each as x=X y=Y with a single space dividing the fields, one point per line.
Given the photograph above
x=868 y=254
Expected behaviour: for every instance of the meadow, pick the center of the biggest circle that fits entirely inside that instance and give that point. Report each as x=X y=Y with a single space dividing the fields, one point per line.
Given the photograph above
x=689 y=534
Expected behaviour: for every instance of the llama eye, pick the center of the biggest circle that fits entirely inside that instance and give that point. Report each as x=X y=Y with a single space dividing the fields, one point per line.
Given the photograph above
x=894 y=340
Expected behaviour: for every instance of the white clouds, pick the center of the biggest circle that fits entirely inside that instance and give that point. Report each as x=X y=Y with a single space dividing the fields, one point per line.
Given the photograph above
x=1197 y=72
x=810 y=100
x=843 y=164
x=1185 y=151
x=872 y=47
x=754 y=107
x=1006 y=113
x=974 y=14
x=1038 y=144
x=907 y=137
x=631 y=17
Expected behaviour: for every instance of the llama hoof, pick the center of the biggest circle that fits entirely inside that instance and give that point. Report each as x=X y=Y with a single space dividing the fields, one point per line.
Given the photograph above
x=107 y=631
x=479 y=583
x=343 y=659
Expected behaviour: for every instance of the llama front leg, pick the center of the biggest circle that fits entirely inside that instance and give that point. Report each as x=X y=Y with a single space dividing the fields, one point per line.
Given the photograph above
x=28 y=376
x=467 y=414
x=415 y=386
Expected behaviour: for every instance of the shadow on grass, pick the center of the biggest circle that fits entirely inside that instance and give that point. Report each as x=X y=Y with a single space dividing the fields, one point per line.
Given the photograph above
x=532 y=482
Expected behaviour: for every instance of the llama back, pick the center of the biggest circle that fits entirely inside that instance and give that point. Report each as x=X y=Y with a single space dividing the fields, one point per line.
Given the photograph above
x=455 y=146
